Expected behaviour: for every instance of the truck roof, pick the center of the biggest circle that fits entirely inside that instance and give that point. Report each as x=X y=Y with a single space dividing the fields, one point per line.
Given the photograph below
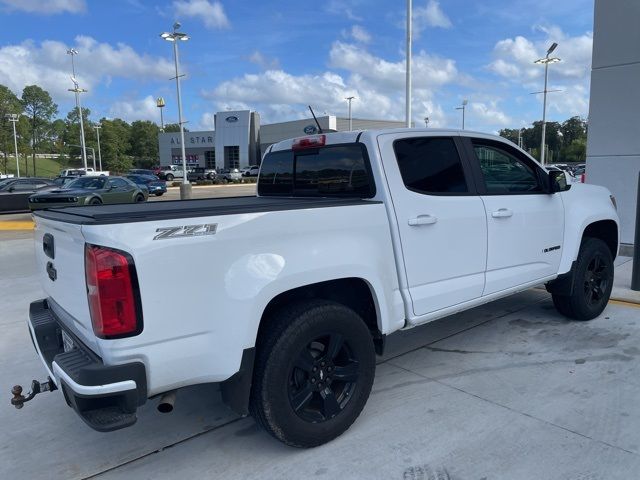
x=334 y=138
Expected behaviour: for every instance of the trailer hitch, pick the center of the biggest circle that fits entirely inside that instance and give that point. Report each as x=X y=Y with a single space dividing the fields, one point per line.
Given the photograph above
x=37 y=387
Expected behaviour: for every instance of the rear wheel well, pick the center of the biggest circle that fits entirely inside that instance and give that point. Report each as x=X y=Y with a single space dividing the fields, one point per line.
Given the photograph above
x=605 y=230
x=354 y=293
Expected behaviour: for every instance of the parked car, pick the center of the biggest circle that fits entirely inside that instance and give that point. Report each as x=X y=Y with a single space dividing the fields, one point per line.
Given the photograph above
x=201 y=173
x=351 y=238
x=153 y=184
x=79 y=172
x=15 y=192
x=90 y=190
x=4 y=176
x=229 y=175
x=142 y=171
x=62 y=181
x=170 y=172
x=251 y=171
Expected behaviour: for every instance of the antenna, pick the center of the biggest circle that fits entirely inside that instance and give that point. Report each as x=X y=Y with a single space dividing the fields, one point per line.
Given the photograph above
x=314 y=117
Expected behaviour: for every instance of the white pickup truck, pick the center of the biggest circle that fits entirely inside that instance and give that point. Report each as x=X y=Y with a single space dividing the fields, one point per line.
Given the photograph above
x=290 y=294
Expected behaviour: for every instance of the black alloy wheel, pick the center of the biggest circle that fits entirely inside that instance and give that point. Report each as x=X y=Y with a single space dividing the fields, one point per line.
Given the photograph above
x=323 y=378
x=596 y=281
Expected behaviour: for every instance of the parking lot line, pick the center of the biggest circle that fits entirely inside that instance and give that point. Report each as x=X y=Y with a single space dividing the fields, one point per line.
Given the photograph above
x=625 y=304
x=12 y=225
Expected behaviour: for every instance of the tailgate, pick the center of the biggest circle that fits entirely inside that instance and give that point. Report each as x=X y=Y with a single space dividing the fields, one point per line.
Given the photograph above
x=61 y=270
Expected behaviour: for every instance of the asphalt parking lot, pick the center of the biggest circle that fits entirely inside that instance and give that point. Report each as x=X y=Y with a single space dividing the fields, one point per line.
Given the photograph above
x=510 y=390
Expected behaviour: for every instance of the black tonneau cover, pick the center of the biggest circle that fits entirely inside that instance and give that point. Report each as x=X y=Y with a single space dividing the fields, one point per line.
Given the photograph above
x=163 y=210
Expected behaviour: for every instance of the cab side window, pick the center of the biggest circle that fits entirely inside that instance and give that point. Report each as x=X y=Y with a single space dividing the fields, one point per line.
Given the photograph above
x=505 y=171
x=431 y=165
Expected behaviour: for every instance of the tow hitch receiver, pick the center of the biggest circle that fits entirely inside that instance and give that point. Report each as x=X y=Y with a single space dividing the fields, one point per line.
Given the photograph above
x=37 y=387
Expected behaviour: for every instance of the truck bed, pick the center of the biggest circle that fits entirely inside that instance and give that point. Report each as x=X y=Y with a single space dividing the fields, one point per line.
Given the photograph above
x=163 y=210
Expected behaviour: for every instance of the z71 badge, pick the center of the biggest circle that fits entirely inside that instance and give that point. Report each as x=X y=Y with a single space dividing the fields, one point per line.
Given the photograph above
x=164 y=233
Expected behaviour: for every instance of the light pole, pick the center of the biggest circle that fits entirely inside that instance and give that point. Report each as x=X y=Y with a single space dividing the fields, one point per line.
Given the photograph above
x=426 y=122
x=98 y=127
x=463 y=108
x=408 y=80
x=13 y=118
x=545 y=61
x=77 y=90
x=350 y=99
x=175 y=36
x=160 y=104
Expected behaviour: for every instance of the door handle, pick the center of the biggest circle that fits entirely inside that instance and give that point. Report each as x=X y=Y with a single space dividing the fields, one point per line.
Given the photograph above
x=502 y=213
x=423 y=220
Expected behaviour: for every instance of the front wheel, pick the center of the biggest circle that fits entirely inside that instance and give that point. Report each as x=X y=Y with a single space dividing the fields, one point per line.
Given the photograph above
x=169 y=178
x=315 y=365
x=592 y=282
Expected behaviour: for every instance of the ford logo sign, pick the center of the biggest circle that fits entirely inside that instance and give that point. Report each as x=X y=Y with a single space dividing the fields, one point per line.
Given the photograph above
x=310 y=129
x=232 y=119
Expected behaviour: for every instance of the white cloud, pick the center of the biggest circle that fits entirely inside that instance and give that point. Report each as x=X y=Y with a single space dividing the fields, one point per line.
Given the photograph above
x=359 y=34
x=377 y=83
x=488 y=115
x=211 y=13
x=48 y=65
x=262 y=61
x=431 y=15
x=143 y=109
x=429 y=71
x=46 y=7
x=514 y=57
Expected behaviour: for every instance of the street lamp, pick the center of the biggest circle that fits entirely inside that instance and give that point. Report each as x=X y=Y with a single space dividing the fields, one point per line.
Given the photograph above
x=160 y=104
x=545 y=61
x=13 y=118
x=408 y=79
x=463 y=108
x=98 y=127
x=77 y=90
x=426 y=121
x=350 y=99
x=175 y=36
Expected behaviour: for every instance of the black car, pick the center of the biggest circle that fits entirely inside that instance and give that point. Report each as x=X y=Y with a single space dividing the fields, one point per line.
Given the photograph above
x=142 y=171
x=153 y=184
x=15 y=192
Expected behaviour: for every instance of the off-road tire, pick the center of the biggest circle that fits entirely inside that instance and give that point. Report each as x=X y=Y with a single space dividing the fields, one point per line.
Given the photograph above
x=592 y=282
x=284 y=342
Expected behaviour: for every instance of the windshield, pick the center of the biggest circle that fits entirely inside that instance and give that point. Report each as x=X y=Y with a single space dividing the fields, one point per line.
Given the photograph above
x=88 y=183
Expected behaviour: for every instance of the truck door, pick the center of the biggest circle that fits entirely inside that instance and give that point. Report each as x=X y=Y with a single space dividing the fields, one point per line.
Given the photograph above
x=441 y=220
x=525 y=224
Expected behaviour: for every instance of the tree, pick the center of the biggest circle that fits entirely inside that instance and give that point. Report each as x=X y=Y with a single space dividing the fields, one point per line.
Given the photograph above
x=71 y=137
x=144 y=143
x=39 y=107
x=573 y=129
x=9 y=104
x=173 y=127
x=114 y=140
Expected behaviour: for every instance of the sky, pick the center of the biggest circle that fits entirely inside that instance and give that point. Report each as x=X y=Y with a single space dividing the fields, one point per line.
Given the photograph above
x=278 y=56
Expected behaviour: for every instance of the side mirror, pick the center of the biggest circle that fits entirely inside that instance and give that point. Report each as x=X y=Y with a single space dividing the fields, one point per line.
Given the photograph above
x=558 y=182
x=11 y=189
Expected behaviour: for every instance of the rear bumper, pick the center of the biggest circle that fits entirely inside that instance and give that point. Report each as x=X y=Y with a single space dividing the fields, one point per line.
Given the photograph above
x=105 y=396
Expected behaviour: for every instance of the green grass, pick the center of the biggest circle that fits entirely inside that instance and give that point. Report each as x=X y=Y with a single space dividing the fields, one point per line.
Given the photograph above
x=45 y=167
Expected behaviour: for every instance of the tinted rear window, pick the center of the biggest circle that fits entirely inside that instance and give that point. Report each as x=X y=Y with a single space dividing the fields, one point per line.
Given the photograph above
x=339 y=170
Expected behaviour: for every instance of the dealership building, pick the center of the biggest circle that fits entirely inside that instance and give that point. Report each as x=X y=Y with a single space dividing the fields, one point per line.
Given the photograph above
x=239 y=140
x=613 y=147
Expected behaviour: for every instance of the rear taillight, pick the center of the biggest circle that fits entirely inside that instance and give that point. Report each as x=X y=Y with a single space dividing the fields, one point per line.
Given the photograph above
x=583 y=178
x=112 y=291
